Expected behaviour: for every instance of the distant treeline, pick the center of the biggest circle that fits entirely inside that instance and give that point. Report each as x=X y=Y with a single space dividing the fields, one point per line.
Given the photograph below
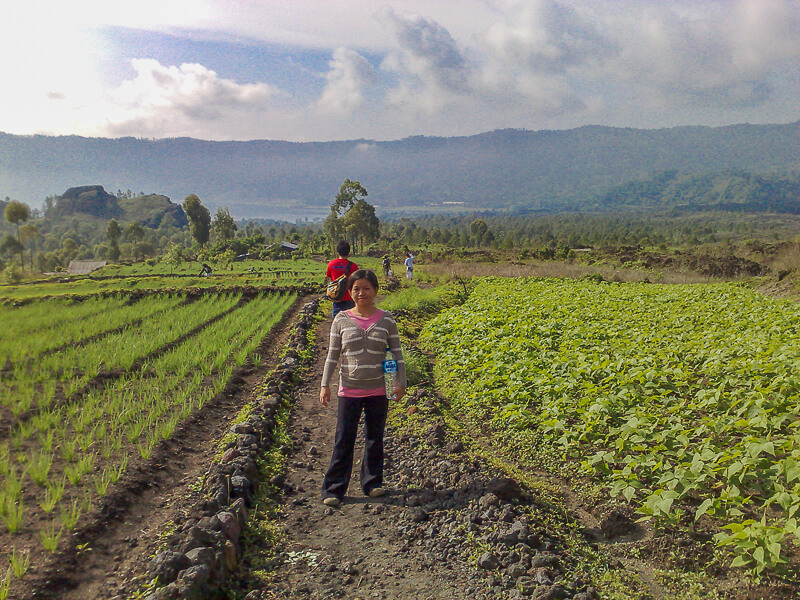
x=573 y=230
x=669 y=210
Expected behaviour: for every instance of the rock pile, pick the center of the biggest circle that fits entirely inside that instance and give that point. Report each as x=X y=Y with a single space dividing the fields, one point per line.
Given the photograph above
x=464 y=511
x=201 y=554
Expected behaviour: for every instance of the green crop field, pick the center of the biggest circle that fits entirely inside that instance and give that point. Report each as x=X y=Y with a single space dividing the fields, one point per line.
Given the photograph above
x=89 y=386
x=300 y=275
x=680 y=400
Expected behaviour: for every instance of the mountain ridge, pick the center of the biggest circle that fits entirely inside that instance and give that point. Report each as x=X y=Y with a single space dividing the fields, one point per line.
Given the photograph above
x=496 y=170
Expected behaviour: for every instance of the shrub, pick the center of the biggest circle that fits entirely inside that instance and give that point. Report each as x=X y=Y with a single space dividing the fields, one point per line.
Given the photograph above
x=11 y=274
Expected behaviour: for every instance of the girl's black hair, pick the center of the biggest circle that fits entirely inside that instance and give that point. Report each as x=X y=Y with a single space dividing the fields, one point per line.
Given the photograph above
x=362 y=274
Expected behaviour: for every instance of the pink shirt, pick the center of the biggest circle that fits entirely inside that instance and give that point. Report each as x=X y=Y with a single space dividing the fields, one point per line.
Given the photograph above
x=365 y=323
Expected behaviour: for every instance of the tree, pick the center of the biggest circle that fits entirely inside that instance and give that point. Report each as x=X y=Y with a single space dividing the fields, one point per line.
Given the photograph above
x=351 y=216
x=29 y=233
x=113 y=233
x=17 y=212
x=10 y=245
x=349 y=193
x=174 y=256
x=199 y=218
x=224 y=225
x=478 y=228
x=361 y=224
x=135 y=234
x=252 y=229
x=69 y=248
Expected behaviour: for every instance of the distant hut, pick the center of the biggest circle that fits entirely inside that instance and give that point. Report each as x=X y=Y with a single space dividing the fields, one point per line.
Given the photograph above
x=84 y=267
x=282 y=248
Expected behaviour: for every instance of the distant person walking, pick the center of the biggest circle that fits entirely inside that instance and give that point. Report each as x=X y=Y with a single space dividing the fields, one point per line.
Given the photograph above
x=409 y=263
x=387 y=269
x=338 y=267
x=359 y=339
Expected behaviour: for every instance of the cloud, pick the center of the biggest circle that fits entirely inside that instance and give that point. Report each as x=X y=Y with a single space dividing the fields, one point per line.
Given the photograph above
x=728 y=55
x=429 y=51
x=430 y=67
x=443 y=68
x=349 y=74
x=547 y=37
x=178 y=99
x=599 y=62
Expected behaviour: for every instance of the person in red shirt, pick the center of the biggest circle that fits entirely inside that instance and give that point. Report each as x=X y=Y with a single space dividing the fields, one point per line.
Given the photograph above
x=338 y=267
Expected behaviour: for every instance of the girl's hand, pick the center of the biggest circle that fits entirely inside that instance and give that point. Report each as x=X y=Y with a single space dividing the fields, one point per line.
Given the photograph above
x=325 y=395
x=399 y=392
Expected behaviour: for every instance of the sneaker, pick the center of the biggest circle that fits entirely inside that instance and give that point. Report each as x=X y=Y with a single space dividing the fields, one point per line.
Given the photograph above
x=331 y=501
x=377 y=492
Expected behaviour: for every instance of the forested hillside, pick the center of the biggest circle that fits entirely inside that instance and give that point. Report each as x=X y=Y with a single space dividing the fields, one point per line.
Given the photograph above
x=497 y=170
x=733 y=191
x=88 y=201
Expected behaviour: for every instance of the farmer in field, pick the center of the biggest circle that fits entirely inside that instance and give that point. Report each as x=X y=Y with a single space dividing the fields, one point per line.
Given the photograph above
x=338 y=267
x=359 y=339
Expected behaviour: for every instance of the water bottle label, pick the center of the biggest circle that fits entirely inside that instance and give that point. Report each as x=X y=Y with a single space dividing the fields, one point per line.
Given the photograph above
x=390 y=366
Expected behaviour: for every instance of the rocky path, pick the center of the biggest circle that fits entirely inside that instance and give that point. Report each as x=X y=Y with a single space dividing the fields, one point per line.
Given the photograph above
x=450 y=526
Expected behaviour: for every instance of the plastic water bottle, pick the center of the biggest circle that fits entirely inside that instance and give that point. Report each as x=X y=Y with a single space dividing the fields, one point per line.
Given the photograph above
x=389 y=373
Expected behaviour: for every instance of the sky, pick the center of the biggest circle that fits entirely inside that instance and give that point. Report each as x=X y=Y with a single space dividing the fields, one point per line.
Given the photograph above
x=310 y=70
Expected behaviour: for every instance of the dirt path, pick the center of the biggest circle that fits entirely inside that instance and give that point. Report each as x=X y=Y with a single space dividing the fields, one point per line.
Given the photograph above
x=423 y=540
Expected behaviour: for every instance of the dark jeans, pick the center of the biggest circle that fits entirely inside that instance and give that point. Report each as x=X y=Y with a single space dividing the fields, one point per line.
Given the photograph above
x=337 y=478
x=343 y=305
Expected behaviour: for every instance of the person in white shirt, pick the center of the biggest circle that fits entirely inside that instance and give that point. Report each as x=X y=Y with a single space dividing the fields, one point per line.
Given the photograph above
x=409 y=262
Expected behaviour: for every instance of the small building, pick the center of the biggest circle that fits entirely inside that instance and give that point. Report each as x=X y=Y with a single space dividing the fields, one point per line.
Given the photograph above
x=283 y=246
x=84 y=267
x=282 y=249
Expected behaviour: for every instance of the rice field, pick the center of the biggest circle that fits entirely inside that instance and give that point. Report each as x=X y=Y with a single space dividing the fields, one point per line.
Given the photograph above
x=87 y=387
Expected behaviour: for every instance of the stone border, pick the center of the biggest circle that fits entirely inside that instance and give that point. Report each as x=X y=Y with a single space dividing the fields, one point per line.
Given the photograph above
x=200 y=556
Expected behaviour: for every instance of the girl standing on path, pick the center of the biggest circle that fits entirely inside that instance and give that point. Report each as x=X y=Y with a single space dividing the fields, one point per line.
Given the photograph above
x=360 y=337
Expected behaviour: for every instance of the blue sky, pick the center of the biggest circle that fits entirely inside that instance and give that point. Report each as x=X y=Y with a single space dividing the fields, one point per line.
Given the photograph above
x=307 y=70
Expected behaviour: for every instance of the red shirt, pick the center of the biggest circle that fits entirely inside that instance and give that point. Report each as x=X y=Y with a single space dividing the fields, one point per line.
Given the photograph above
x=337 y=268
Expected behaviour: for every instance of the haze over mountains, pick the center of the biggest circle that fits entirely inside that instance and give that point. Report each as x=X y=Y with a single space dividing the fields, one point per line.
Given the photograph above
x=499 y=170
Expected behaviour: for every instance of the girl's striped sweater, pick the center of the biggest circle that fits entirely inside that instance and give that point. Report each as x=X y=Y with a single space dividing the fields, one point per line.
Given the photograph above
x=362 y=352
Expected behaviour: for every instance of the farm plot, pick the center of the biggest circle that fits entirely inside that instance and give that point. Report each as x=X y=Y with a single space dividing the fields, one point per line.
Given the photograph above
x=143 y=328
x=96 y=407
x=39 y=328
x=682 y=400
x=83 y=287
x=303 y=275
